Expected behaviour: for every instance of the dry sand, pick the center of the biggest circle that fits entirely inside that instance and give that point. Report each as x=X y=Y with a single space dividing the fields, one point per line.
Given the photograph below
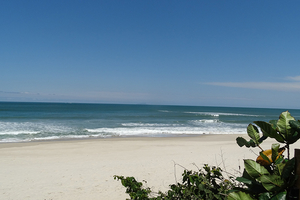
x=84 y=169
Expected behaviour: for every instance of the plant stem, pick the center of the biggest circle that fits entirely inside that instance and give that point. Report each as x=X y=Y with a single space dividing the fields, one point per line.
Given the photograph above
x=260 y=148
x=288 y=151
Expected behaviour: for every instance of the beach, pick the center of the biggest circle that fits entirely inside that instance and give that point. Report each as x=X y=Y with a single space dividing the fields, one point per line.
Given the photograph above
x=84 y=169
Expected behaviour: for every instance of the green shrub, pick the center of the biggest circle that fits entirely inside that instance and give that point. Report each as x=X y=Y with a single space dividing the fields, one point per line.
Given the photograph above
x=207 y=183
x=134 y=188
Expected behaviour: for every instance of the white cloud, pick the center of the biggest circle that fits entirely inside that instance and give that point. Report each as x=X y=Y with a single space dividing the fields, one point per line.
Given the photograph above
x=292 y=85
x=281 y=86
x=294 y=78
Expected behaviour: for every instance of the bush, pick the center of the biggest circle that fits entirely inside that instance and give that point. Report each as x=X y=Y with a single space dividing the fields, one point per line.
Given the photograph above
x=207 y=183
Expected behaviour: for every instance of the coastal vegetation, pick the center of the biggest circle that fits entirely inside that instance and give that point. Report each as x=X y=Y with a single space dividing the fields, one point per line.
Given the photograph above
x=207 y=183
x=270 y=176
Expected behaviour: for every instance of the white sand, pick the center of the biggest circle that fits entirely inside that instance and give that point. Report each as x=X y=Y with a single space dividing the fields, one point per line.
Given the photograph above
x=84 y=169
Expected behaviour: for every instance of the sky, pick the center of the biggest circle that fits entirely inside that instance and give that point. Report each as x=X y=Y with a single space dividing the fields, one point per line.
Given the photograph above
x=168 y=52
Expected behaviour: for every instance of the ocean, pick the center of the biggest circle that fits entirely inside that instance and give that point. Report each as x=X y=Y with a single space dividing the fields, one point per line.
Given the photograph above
x=22 y=122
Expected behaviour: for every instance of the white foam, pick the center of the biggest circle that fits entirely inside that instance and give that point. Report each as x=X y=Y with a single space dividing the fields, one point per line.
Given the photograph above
x=221 y=129
x=213 y=114
x=31 y=128
x=148 y=125
x=11 y=140
x=164 y=111
x=18 y=132
x=28 y=131
x=67 y=137
x=204 y=113
x=208 y=121
x=205 y=122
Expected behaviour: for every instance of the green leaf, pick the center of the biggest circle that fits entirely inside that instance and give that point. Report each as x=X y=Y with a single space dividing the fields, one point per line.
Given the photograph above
x=253 y=133
x=262 y=138
x=247 y=176
x=254 y=169
x=239 y=196
x=288 y=168
x=253 y=186
x=273 y=123
x=275 y=148
x=279 y=160
x=280 y=168
x=252 y=143
x=280 y=196
x=283 y=124
x=271 y=182
x=265 y=157
x=269 y=130
x=295 y=125
x=294 y=137
x=242 y=141
x=244 y=180
x=264 y=196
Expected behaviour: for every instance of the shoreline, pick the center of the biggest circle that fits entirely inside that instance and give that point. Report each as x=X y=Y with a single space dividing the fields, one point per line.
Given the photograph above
x=84 y=169
x=133 y=137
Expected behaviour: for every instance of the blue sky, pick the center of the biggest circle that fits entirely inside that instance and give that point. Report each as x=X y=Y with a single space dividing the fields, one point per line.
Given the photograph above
x=207 y=53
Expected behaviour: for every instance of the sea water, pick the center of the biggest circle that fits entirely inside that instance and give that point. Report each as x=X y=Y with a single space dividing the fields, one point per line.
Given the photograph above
x=49 y=121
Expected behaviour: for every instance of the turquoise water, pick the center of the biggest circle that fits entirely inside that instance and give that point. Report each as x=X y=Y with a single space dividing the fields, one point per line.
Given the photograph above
x=48 y=121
